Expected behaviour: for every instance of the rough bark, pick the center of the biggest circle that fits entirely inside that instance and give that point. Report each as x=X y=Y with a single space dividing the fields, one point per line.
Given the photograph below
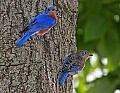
x=34 y=67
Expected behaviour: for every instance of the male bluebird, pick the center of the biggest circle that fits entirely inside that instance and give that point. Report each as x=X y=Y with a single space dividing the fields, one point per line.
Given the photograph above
x=73 y=63
x=41 y=24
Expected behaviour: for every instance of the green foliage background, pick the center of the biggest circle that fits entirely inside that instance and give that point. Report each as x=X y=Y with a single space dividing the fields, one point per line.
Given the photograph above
x=98 y=31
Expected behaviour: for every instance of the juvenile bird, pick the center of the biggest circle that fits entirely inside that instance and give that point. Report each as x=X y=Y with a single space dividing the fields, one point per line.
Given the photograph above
x=41 y=24
x=73 y=63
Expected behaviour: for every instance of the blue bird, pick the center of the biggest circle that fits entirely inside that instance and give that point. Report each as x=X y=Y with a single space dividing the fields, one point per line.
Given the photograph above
x=73 y=63
x=41 y=24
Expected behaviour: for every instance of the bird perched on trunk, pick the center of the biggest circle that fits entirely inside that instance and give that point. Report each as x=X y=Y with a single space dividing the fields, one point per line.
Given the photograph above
x=73 y=63
x=41 y=24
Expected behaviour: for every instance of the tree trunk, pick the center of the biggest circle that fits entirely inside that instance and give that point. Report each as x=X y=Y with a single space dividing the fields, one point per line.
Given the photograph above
x=34 y=68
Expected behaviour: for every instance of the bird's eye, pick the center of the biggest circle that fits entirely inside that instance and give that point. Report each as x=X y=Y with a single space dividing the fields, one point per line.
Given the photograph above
x=48 y=9
x=84 y=53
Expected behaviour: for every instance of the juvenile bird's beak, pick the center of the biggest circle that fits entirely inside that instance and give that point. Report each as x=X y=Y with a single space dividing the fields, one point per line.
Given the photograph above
x=90 y=55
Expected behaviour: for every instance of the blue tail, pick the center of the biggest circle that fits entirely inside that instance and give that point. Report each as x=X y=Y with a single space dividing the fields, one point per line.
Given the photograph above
x=22 y=40
x=62 y=77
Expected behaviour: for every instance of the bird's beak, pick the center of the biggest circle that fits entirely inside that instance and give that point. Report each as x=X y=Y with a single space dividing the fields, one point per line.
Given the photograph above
x=51 y=11
x=90 y=55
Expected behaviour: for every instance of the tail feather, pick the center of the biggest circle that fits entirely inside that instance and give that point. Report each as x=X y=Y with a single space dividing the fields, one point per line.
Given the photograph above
x=22 y=40
x=62 y=77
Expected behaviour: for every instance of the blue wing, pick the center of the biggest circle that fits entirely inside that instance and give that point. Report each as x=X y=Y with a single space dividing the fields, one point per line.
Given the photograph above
x=62 y=77
x=70 y=65
x=75 y=68
x=66 y=59
x=41 y=22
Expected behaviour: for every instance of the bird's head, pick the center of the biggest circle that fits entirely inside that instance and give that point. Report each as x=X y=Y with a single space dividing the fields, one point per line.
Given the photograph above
x=84 y=54
x=50 y=10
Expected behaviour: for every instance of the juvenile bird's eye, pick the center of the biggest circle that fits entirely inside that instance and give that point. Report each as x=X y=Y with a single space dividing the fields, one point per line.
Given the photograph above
x=84 y=53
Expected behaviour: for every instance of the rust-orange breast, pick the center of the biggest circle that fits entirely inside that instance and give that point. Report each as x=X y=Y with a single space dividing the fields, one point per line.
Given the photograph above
x=53 y=15
x=42 y=32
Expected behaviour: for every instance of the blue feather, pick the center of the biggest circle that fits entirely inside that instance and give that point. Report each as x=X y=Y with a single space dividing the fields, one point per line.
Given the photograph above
x=30 y=32
x=62 y=77
x=40 y=22
x=22 y=40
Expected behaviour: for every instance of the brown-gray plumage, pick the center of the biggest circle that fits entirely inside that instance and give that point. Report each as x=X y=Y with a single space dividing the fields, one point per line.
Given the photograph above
x=73 y=63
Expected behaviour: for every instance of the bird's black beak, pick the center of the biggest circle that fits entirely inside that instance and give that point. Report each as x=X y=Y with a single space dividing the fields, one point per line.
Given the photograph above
x=90 y=55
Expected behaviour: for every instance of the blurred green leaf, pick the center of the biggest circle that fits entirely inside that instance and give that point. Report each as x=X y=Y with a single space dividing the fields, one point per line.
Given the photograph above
x=101 y=47
x=82 y=85
x=114 y=8
x=108 y=1
x=102 y=85
x=113 y=46
x=79 y=31
x=93 y=8
x=82 y=45
x=96 y=28
x=87 y=68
